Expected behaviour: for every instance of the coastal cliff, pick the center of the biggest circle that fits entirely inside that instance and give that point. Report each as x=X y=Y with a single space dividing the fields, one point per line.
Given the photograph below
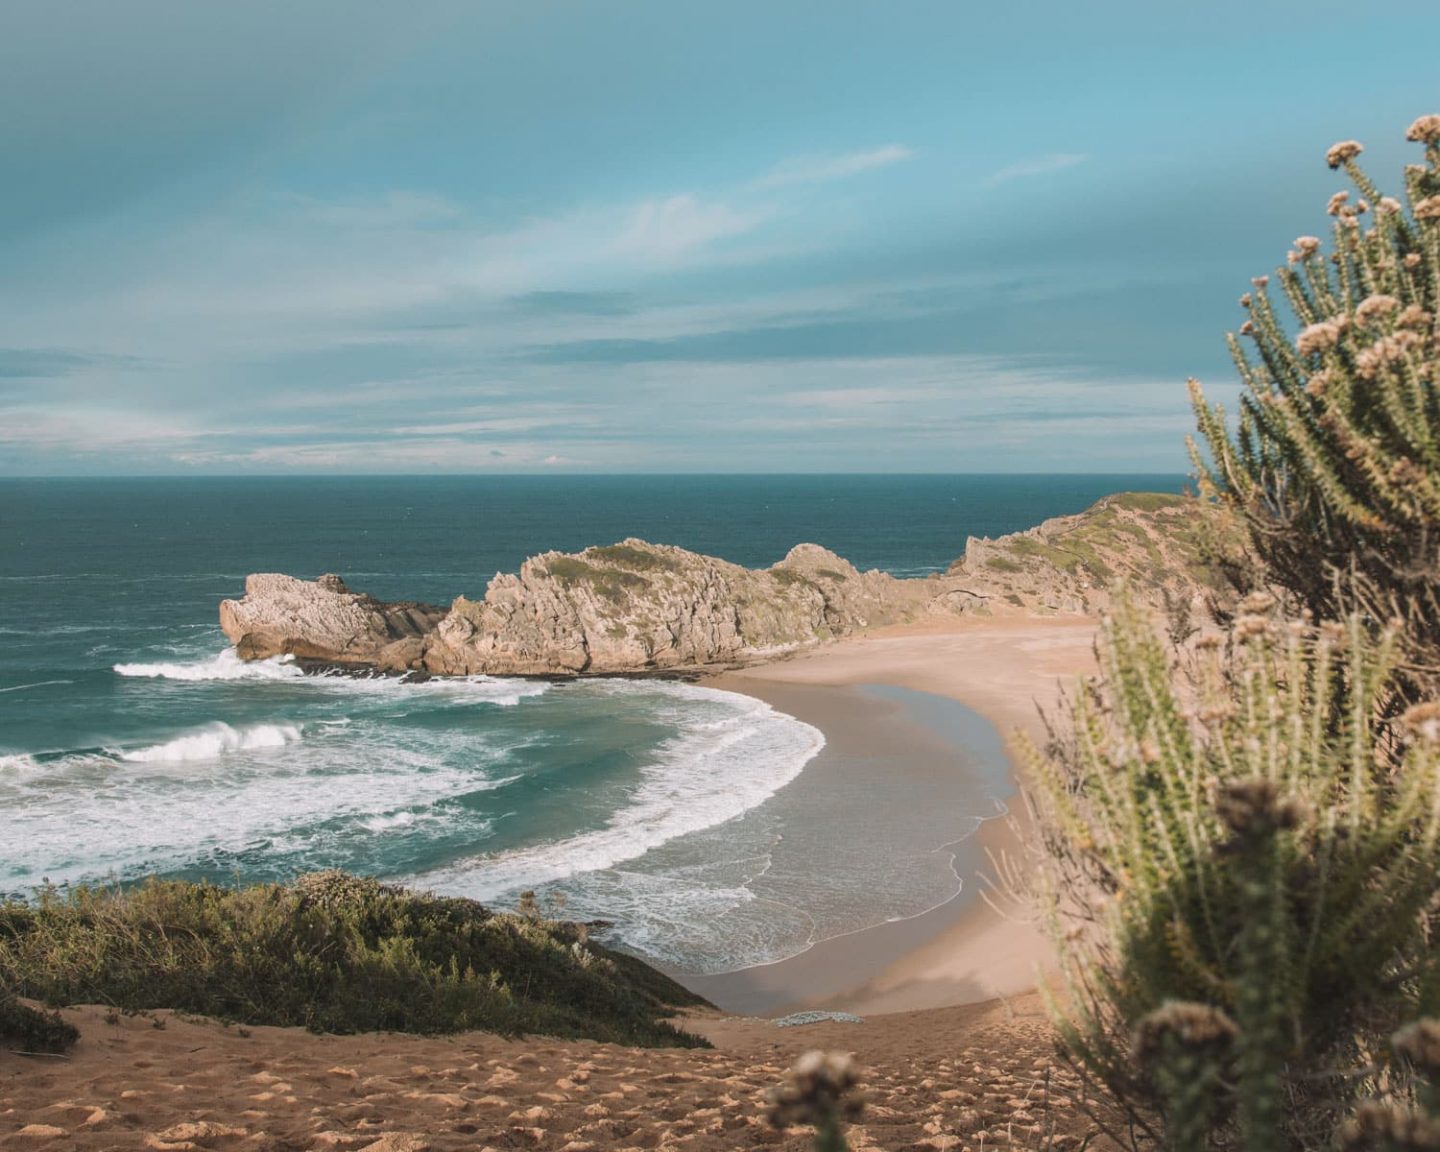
x=1164 y=549
x=630 y=607
x=636 y=607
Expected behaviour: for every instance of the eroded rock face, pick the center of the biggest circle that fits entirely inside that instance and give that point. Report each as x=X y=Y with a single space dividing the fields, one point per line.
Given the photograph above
x=323 y=620
x=635 y=607
x=629 y=607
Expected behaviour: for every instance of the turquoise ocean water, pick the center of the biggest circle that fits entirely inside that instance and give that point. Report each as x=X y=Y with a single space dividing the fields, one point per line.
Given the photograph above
x=132 y=742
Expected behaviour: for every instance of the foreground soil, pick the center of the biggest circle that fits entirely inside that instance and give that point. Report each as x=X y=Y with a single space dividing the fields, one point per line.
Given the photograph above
x=952 y=1078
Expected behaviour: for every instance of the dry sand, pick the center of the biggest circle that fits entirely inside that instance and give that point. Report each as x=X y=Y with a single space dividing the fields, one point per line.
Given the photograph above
x=950 y=1078
x=943 y=1073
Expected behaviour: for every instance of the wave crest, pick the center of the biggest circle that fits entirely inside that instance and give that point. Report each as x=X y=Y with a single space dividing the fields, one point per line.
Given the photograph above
x=716 y=769
x=214 y=741
x=225 y=665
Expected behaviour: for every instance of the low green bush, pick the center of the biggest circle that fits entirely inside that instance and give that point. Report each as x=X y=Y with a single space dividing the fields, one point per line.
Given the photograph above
x=1240 y=848
x=334 y=953
x=27 y=1029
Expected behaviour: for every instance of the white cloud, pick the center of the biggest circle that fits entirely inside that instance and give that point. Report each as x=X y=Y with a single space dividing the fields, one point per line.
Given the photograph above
x=820 y=169
x=665 y=230
x=1038 y=166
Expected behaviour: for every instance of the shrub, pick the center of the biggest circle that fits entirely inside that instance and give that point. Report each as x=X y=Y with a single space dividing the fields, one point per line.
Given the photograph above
x=1335 y=464
x=1146 y=501
x=27 y=1029
x=1245 y=835
x=335 y=953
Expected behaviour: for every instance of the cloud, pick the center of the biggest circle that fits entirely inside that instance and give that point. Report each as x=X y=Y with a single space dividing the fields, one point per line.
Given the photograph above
x=666 y=230
x=885 y=413
x=821 y=169
x=1038 y=166
x=49 y=363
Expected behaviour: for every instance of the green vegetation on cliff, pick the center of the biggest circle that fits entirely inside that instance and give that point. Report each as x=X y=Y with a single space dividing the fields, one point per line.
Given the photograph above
x=335 y=953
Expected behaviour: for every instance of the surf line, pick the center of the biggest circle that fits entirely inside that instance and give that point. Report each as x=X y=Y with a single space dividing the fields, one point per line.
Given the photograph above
x=37 y=684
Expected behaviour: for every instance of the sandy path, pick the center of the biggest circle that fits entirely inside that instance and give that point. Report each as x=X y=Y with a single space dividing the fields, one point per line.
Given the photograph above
x=956 y=1078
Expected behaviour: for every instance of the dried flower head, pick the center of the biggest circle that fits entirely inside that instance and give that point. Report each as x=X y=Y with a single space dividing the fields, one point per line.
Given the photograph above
x=1392 y=350
x=1247 y=328
x=1414 y=317
x=1257 y=602
x=822 y=1089
x=1377 y=1125
x=1255 y=807
x=1319 y=337
x=1337 y=202
x=1307 y=245
x=1248 y=626
x=1196 y=1027
x=1412 y=260
x=1419 y=1043
x=1422 y=721
x=1376 y=307
x=1388 y=206
x=1425 y=130
x=1428 y=209
x=1318 y=383
x=1343 y=152
x=1260 y=281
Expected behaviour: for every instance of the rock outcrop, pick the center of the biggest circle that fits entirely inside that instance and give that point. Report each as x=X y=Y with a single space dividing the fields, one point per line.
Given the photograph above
x=1162 y=548
x=628 y=608
x=322 y=620
x=635 y=607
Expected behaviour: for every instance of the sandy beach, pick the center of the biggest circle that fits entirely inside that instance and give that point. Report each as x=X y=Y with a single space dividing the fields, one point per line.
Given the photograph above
x=963 y=952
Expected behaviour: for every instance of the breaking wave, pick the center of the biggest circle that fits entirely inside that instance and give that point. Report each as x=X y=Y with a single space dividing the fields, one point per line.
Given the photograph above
x=214 y=741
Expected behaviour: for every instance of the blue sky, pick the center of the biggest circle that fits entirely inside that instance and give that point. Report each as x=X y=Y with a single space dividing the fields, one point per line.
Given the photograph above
x=517 y=237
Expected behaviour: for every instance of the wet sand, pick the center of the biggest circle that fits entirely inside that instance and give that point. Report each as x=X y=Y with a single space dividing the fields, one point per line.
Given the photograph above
x=965 y=951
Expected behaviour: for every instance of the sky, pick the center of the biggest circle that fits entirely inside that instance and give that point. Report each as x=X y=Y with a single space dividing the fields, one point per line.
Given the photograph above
x=341 y=236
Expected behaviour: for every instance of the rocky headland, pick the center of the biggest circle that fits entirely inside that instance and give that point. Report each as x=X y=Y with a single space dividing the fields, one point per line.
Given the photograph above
x=636 y=607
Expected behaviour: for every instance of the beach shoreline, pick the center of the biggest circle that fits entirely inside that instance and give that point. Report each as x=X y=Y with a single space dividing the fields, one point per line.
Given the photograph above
x=964 y=951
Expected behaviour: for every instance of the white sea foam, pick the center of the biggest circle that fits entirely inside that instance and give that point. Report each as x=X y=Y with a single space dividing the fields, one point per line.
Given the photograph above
x=225 y=665
x=19 y=765
x=91 y=814
x=499 y=691
x=214 y=741
x=716 y=769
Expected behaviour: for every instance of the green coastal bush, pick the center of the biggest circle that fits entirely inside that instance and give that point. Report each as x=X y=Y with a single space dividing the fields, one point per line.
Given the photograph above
x=334 y=953
x=27 y=1029
x=1241 y=857
x=1335 y=463
x=1240 y=853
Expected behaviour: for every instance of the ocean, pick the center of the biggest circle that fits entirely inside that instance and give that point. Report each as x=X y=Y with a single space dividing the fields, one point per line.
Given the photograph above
x=133 y=742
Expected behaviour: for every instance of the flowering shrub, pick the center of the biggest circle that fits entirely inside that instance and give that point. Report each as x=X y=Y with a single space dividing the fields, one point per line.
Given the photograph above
x=1241 y=867
x=1335 y=463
